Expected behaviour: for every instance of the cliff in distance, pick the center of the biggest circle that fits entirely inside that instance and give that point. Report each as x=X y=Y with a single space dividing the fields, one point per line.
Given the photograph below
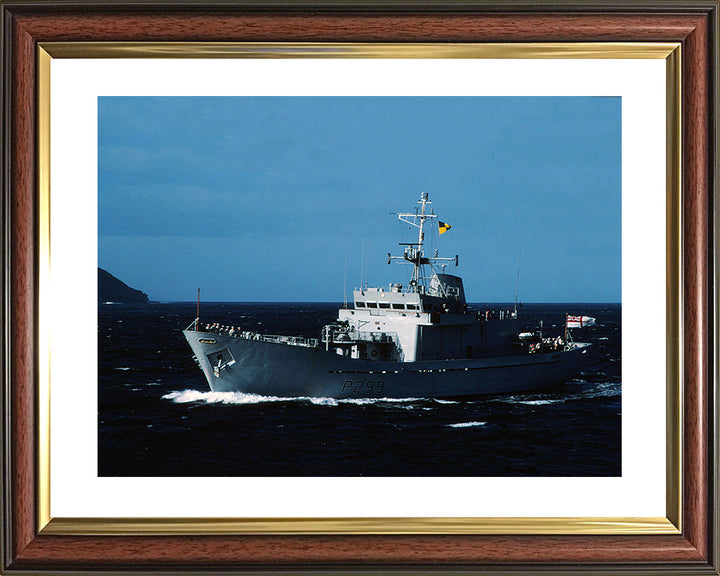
x=111 y=289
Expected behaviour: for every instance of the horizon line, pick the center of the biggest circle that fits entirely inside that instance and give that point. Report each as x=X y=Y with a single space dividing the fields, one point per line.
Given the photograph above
x=497 y=302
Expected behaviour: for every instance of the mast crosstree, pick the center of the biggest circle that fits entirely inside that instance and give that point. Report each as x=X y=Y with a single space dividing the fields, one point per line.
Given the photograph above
x=414 y=252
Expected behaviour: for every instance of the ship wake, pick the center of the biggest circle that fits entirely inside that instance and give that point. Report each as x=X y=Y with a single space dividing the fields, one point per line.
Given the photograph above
x=208 y=397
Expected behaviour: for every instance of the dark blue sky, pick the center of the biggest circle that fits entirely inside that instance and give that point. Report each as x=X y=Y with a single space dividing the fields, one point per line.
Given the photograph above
x=273 y=198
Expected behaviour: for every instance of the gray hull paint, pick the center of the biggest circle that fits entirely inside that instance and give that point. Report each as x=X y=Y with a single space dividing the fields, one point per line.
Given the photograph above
x=282 y=370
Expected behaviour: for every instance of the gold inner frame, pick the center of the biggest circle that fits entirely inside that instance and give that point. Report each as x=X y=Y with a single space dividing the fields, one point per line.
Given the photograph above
x=671 y=524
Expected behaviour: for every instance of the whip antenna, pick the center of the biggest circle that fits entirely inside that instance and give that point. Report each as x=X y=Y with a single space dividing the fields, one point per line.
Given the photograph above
x=362 y=263
x=197 y=314
x=517 y=281
x=345 y=298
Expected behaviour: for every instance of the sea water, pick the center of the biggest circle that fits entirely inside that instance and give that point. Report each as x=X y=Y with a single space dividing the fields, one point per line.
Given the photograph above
x=158 y=417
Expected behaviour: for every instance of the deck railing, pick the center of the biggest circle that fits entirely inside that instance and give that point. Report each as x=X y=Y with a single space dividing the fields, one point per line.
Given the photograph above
x=236 y=332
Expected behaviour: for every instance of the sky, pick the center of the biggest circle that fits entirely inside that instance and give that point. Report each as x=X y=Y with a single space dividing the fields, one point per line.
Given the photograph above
x=289 y=199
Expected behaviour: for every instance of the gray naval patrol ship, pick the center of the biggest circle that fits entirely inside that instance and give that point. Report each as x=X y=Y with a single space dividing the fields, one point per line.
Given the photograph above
x=421 y=340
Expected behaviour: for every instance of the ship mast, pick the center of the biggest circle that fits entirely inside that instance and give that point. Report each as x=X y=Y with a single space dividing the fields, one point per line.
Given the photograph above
x=414 y=250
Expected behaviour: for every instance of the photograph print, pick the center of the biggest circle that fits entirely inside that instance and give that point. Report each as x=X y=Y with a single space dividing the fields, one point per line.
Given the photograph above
x=359 y=286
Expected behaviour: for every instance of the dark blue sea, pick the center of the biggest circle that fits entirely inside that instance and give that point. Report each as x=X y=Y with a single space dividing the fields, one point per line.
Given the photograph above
x=157 y=416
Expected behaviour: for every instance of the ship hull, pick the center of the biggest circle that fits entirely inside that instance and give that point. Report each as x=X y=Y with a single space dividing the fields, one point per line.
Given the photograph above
x=282 y=370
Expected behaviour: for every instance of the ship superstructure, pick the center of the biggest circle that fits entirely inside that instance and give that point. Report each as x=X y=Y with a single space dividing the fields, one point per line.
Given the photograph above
x=415 y=340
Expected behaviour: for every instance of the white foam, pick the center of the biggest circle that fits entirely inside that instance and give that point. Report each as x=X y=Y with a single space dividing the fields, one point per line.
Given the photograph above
x=244 y=398
x=375 y=400
x=466 y=424
x=219 y=397
x=323 y=401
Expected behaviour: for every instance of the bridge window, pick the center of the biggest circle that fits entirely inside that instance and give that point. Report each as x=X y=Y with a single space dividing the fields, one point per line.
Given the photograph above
x=398 y=306
x=384 y=305
x=372 y=304
x=359 y=304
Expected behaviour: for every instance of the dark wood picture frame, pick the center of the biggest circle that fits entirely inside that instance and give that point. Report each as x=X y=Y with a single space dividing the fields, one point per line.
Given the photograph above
x=27 y=24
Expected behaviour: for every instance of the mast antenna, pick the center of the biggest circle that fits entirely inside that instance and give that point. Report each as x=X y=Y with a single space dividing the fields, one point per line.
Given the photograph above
x=362 y=263
x=517 y=281
x=345 y=299
x=197 y=314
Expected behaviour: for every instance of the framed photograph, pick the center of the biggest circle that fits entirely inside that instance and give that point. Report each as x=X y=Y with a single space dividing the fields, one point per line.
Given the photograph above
x=207 y=368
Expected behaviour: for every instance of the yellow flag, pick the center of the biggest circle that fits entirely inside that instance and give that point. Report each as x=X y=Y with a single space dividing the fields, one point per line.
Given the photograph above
x=443 y=227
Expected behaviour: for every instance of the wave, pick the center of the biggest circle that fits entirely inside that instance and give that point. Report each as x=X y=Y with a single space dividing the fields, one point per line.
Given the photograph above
x=589 y=391
x=209 y=397
x=217 y=397
x=466 y=424
x=611 y=389
x=528 y=400
x=604 y=390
